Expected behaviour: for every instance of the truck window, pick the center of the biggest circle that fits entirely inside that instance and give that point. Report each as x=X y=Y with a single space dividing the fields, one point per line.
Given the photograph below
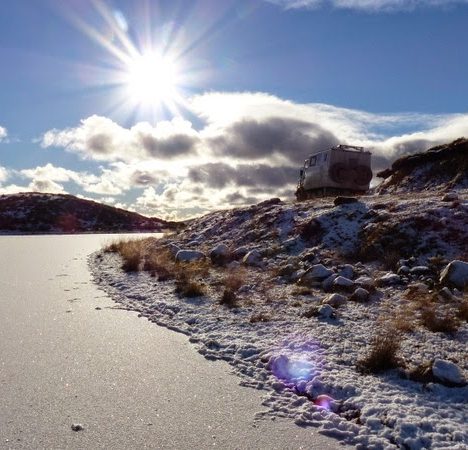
x=313 y=161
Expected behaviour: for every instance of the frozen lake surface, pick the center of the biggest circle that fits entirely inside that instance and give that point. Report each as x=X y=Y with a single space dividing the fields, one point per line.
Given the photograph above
x=68 y=355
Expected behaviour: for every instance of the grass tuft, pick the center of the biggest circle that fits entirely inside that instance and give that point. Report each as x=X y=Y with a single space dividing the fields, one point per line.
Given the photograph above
x=382 y=352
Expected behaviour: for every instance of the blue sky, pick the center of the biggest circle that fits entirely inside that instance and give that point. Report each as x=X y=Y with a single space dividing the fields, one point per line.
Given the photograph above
x=174 y=108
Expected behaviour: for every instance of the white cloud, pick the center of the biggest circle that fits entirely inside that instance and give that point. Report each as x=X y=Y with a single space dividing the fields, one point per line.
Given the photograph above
x=367 y=5
x=249 y=147
x=4 y=174
x=100 y=138
x=3 y=134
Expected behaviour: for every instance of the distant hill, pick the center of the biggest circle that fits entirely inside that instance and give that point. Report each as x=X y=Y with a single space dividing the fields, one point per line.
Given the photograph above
x=444 y=167
x=59 y=213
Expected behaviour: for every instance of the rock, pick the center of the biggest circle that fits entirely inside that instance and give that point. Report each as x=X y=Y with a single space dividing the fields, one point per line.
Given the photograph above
x=189 y=255
x=252 y=258
x=240 y=252
x=455 y=274
x=446 y=294
x=77 y=427
x=219 y=253
x=403 y=270
x=344 y=200
x=360 y=295
x=450 y=197
x=347 y=271
x=448 y=373
x=419 y=270
x=389 y=279
x=343 y=283
x=327 y=284
x=297 y=275
x=286 y=271
x=365 y=282
x=335 y=300
x=318 y=272
x=326 y=312
x=315 y=275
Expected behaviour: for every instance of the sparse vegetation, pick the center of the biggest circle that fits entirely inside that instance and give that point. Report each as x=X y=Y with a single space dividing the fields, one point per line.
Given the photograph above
x=382 y=353
x=228 y=298
x=186 y=286
x=131 y=252
x=439 y=319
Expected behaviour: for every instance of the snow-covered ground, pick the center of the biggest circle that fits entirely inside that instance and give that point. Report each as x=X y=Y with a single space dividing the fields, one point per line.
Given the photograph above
x=290 y=337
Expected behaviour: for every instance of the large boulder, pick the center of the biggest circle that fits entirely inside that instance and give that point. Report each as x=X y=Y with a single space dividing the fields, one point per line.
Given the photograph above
x=189 y=255
x=448 y=373
x=455 y=274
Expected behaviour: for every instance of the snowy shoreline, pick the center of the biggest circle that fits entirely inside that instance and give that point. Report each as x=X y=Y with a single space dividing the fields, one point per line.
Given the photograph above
x=307 y=365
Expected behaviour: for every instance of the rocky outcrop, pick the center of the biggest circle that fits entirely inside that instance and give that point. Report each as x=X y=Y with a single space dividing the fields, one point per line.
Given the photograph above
x=443 y=167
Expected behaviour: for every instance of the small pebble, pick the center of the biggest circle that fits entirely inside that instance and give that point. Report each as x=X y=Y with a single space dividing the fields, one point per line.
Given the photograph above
x=77 y=427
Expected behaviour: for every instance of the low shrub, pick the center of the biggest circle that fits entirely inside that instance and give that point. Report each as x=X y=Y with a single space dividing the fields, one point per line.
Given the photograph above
x=228 y=298
x=131 y=252
x=438 y=319
x=186 y=286
x=382 y=352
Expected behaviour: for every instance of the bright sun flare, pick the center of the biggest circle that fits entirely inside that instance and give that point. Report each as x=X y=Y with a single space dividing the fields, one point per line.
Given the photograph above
x=152 y=78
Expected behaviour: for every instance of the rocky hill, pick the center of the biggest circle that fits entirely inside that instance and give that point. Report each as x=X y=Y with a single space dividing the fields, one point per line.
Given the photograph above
x=59 y=213
x=349 y=314
x=444 y=167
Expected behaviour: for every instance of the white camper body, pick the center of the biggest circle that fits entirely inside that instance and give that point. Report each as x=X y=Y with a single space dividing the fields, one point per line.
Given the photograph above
x=342 y=168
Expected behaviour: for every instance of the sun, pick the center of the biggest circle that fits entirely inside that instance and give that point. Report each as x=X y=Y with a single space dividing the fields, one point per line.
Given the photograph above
x=151 y=79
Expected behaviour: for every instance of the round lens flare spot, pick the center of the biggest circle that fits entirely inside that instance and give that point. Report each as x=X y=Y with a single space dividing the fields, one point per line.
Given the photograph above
x=151 y=78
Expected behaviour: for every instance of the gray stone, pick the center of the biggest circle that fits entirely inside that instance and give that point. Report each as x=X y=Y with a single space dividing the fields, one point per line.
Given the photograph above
x=419 y=270
x=455 y=274
x=389 y=279
x=335 y=300
x=252 y=258
x=318 y=272
x=365 y=282
x=219 y=253
x=189 y=255
x=326 y=312
x=342 y=282
x=448 y=373
x=360 y=295
x=327 y=284
x=347 y=271
x=404 y=270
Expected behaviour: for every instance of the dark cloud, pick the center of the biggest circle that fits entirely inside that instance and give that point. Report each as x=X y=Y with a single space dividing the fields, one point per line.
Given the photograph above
x=100 y=144
x=252 y=139
x=382 y=160
x=141 y=178
x=171 y=147
x=220 y=175
x=238 y=199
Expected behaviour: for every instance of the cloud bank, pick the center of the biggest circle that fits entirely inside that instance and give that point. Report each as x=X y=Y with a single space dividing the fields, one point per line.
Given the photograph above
x=248 y=147
x=368 y=5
